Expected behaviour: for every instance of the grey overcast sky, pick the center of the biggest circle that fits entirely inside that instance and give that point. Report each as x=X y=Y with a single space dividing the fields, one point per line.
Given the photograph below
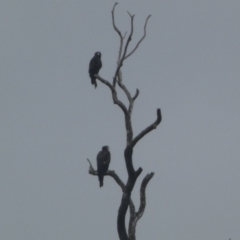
x=52 y=118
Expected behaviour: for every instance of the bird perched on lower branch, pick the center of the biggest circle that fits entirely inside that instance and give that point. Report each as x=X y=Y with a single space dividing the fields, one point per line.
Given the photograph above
x=103 y=161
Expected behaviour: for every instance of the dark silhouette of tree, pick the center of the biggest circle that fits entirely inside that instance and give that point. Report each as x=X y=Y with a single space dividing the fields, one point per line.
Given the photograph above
x=131 y=141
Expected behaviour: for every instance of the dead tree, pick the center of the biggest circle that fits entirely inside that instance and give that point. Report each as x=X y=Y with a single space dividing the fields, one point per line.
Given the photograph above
x=131 y=140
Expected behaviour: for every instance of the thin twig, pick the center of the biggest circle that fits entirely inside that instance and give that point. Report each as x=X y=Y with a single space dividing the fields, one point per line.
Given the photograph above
x=121 y=43
x=125 y=49
x=113 y=21
x=144 y=35
x=129 y=38
x=136 y=95
x=91 y=169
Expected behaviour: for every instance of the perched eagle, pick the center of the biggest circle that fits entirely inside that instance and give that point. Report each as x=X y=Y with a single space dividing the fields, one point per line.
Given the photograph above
x=103 y=160
x=94 y=67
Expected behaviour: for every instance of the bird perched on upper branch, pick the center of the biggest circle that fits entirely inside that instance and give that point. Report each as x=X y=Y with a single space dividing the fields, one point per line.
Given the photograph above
x=94 y=67
x=103 y=161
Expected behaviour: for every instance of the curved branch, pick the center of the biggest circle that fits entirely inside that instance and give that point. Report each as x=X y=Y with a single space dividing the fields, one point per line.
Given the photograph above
x=113 y=21
x=114 y=94
x=121 y=44
x=91 y=169
x=104 y=81
x=144 y=184
x=128 y=124
x=144 y=35
x=139 y=213
x=136 y=95
x=131 y=234
x=147 y=129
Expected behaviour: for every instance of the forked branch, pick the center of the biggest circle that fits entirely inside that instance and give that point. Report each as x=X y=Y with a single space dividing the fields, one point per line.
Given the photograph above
x=117 y=179
x=133 y=221
x=123 y=56
x=114 y=94
x=144 y=35
x=134 y=216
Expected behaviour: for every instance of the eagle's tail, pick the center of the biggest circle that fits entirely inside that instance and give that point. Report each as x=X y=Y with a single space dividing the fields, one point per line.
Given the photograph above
x=93 y=81
x=100 y=180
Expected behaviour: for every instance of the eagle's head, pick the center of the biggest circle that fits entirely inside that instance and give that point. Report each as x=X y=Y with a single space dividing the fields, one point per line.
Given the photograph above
x=105 y=148
x=97 y=54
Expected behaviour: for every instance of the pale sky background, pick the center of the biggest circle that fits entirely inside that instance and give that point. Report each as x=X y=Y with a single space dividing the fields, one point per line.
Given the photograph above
x=52 y=118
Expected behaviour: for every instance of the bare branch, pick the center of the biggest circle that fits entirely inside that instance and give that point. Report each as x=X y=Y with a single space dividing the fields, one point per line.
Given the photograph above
x=131 y=234
x=129 y=14
x=113 y=21
x=121 y=44
x=129 y=38
x=120 y=61
x=123 y=87
x=136 y=95
x=114 y=94
x=120 y=50
x=128 y=124
x=104 y=81
x=118 y=75
x=130 y=108
x=144 y=35
x=147 y=129
x=144 y=184
x=139 y=213
x=91 y=169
